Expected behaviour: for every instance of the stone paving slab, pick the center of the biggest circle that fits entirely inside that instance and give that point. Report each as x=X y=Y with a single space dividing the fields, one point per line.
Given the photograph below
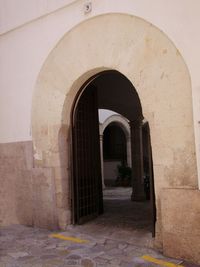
x=22 y=246
x=115 y=239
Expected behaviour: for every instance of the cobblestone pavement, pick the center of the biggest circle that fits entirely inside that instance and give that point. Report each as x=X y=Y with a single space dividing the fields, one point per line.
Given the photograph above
x=111 y=240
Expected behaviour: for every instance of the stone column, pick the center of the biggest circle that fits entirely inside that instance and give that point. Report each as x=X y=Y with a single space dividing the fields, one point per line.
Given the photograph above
x=128 y=148
x=138 y=193
x=101 y=152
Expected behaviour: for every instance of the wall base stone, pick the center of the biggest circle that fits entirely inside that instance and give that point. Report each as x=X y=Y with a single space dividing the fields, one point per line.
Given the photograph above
x=27 y=194
x=31 y=196
x=181 y=223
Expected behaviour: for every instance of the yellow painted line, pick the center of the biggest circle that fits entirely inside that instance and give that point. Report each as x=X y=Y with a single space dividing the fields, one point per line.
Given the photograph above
x=69 y=238
x=160 y=262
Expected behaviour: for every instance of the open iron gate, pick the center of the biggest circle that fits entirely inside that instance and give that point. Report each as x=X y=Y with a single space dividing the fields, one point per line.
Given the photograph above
x=152 y=190
x=87 y=184
x=147 y=141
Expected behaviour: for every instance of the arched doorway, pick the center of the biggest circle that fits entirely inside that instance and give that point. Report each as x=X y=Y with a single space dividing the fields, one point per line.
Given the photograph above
x=114 y=152
x=149 y=59
x=106 y=118
x=114 y=143
x=109 y=89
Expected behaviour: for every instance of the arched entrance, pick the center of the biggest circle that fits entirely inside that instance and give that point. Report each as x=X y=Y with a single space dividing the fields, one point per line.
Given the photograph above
x=152 y=63
x=109 y=118
x=108 y=89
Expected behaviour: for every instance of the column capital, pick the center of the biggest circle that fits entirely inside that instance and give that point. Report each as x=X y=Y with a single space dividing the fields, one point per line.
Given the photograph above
x=136 y=123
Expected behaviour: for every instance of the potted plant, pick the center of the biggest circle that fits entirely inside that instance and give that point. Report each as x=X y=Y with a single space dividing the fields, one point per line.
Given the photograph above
x=124 y=175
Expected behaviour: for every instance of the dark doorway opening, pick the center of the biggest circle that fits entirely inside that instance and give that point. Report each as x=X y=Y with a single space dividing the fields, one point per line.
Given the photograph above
x=114 y=143
x=114 y=153
x=107 y=90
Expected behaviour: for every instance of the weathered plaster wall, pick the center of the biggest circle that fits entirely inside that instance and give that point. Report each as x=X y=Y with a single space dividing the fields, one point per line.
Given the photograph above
x=180 y=223
x=16 y=161
x=16 y=14
x=110 y=172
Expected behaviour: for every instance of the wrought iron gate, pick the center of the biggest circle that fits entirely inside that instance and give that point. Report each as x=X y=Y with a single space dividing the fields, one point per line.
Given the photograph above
x=87 y=184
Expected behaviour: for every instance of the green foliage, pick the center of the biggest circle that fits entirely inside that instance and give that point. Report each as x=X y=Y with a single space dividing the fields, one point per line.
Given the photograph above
x=124 y=175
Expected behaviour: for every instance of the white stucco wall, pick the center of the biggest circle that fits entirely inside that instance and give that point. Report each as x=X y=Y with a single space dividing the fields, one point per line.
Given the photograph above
x=30 y=30
x=14 y=14
x=104 y=114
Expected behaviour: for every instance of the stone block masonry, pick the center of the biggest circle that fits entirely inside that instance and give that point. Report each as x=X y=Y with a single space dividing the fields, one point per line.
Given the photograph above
x=27 y=194
x=181 y=223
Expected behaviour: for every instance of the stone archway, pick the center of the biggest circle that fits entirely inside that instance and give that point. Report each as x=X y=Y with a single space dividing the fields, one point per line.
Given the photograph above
x=120 y=120
x=123 y=123
x=155 y=67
